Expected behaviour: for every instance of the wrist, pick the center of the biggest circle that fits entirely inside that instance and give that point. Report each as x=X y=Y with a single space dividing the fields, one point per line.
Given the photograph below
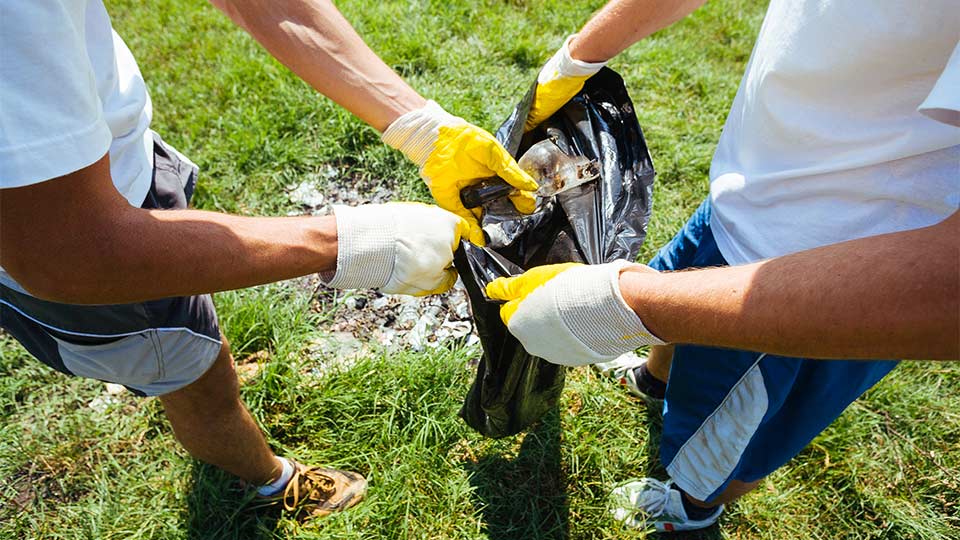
x=564 y=65
x=579 y=50
x=415 y=133
x=321 y=236
x=639 y=286
x=365 y=254
x=397 y=107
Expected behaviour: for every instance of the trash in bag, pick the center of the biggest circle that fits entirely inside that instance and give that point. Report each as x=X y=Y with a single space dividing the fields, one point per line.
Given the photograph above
x=601 y=220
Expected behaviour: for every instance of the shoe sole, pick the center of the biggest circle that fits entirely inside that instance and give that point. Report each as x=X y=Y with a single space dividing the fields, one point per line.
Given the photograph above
x=673 y=526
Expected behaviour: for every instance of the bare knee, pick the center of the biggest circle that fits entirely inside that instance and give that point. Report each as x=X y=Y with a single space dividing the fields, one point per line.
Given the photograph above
x=216 y=392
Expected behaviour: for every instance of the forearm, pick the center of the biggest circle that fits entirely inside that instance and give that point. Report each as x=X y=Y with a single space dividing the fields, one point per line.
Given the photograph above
x=622 y=23
x=101 y=250
x=312 y=38
x=146 y=255
x=889 y=296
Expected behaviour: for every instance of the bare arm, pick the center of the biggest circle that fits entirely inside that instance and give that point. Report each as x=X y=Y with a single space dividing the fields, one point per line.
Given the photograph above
x=888 y=296
x=312 y=38
x=622 y=23
x=75 y=239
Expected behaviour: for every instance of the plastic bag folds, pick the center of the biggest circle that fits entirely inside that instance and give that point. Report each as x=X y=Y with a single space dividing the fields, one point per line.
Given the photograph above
x=600 y=221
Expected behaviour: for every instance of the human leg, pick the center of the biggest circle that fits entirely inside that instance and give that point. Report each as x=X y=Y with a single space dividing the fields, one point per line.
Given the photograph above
x=692 y=246
x=211 y=422
x=190 y=370
x=659 y=360
x=732 y=418
x=734 y=490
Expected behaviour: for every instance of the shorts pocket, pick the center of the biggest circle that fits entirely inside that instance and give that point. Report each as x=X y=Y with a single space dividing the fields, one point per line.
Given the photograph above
x=131 y=360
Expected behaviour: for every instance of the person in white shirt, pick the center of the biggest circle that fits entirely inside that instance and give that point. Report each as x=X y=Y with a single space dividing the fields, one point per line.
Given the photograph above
x=832 y=223
x=104 y=271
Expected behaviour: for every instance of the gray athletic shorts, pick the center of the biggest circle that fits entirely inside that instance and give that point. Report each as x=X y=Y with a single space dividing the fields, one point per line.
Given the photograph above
x=152 y=348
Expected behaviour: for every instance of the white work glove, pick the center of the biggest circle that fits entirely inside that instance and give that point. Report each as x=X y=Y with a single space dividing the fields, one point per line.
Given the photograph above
x=399 y=248
x=558 y=81
x=571 y=314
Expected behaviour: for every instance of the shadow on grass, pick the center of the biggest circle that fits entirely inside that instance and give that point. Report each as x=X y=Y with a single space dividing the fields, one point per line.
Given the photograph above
x=654 y=468
x=217 y=508
x=524 y=497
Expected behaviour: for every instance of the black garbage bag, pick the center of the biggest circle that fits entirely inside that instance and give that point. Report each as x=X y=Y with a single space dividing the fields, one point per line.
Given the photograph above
x=597 y=222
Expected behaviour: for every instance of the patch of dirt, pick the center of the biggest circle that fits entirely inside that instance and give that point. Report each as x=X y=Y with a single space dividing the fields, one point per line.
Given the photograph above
x=463 y=452
x=36 y=480
x=317 y=193
x=22 y=487
x=390 y=320
x=366 y=318
x=249 y=367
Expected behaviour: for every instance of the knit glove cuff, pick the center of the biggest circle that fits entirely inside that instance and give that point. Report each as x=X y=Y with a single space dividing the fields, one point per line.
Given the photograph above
x=416 y=132
x=366 y=248
x=595 y=312
x=561 y=64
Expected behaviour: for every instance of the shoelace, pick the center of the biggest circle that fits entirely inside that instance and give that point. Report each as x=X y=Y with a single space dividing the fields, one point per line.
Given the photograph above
x=652 y=498
x=317 y=486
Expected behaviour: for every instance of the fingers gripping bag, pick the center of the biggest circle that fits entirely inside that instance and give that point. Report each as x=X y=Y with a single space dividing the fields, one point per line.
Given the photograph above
x=600 y=221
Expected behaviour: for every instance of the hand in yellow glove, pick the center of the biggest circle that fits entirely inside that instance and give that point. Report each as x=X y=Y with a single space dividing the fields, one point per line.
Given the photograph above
x=559 y=80
x=571 y=314
x=453 y=154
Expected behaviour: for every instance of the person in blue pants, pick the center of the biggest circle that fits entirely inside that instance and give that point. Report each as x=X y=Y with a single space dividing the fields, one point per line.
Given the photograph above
x=830 y=231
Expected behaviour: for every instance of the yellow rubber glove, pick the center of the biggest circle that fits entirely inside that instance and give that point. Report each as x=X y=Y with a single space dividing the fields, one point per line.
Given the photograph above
x=559 y=80
x=453 y=154
x=515 y=290
x=571 y=314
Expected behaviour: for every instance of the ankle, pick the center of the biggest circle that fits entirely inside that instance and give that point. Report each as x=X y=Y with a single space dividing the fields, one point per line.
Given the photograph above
x=280 y=480
x=695 y=510
x=648 y=383
x=659 y=361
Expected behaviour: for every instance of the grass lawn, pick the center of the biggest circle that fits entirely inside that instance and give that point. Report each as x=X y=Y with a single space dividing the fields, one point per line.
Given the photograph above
x=887 y=469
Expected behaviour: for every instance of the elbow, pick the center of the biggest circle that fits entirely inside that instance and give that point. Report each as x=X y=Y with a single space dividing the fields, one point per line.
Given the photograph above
x=34 y=283
x=65 y=269
x=55 y=285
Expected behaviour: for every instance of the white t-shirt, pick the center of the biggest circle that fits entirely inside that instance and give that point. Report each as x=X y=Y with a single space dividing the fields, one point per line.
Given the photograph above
x=70 y=91
x=841 y=127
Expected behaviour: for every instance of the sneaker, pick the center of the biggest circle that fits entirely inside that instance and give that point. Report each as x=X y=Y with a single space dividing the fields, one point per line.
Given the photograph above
x=619 y=364
x=317 y=491
x=630 y=371
x=648 y=502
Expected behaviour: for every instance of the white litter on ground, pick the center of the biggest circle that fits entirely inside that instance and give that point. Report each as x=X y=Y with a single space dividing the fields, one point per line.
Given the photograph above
x=115 y=389
x=366 y=319
x=317 y=193
x=101 y=403
x=400 y=321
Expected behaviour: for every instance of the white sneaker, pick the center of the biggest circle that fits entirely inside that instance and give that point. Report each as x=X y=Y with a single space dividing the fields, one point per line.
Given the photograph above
x=616 y=367
x=648 y=502
x=622 y=368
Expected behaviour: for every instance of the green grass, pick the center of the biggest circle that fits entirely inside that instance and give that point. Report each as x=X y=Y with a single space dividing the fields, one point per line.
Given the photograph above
x=887 y=469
